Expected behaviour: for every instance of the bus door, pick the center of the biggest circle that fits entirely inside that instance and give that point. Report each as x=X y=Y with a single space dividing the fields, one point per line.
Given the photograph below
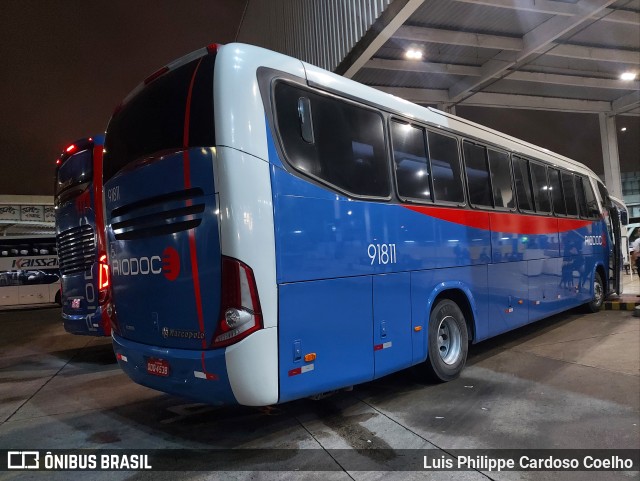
x=615 y=252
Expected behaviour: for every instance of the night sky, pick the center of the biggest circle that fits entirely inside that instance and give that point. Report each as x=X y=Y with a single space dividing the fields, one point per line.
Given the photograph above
x=66 y=64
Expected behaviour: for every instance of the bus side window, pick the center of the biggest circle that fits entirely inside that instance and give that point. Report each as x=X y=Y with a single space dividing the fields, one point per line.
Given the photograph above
x=477 y=169
x=569 y=194
x=556 y=192
x=445 y=168
x=580 y=197
x=500 y=168
x=523 y=184
x=604 y=195
x=590 y=197
x=301 y=154
x=540 y=187
x=413 y=175
x=348 y=151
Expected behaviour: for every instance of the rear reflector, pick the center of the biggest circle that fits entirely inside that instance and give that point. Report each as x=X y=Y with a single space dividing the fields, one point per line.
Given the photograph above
x=301 y=370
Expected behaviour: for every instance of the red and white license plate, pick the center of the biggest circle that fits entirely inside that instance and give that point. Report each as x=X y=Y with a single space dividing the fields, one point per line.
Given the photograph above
x=158 y=367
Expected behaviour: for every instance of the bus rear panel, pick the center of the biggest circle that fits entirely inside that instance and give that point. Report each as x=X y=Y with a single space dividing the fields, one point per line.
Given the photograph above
x=80 y=238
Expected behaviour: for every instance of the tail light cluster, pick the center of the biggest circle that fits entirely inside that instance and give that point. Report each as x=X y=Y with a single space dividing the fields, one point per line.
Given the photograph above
x=240 y=312
x=104 y=279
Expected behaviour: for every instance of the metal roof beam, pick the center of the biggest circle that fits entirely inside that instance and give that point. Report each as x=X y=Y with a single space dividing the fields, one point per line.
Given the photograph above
x=453 y=37
x=594 y=53
x=538 y=38
x=572 y=80
x=625 y=104
x=381 y=31
x=559 y=8
x=486 y=99
x=426 y=67
x=538 y=77
x=512 y=44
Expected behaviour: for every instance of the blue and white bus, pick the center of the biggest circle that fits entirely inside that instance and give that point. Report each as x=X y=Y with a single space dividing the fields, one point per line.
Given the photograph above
x=276 y=231
x=80 y=237
x=29 y=272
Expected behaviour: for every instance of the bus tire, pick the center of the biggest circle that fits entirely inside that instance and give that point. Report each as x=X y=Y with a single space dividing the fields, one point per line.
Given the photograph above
x=448 y=342
x=595 y=303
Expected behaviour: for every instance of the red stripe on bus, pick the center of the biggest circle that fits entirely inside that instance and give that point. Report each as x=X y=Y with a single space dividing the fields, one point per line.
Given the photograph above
x=506 y=222
x=187 y=184
x=98 y=152
x=522 y=224
x=209 y=375
x=476 y=219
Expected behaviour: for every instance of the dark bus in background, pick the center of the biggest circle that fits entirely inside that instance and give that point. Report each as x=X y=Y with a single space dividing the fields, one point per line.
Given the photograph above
x=80 y=238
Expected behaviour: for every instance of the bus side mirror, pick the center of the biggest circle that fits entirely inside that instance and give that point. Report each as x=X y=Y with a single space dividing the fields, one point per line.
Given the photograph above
x=624 y=217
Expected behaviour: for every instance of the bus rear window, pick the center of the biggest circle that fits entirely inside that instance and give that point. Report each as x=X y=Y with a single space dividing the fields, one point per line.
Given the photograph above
x=153 y=121
x=76 y=170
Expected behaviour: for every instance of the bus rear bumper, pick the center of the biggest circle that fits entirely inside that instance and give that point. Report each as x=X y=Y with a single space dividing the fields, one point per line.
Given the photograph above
x=87 y=325
x=198 y=375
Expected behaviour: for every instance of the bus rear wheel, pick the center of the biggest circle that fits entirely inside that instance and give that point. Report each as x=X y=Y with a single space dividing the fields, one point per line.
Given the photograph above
x=448 y=341
x=598 y=294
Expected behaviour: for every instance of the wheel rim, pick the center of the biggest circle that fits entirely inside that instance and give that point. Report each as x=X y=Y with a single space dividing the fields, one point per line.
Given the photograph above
x=449 y=340
x=598 y=293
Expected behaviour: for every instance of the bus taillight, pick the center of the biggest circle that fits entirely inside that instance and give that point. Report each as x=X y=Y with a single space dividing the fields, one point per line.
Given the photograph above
x=103 y=279
x=240 y=312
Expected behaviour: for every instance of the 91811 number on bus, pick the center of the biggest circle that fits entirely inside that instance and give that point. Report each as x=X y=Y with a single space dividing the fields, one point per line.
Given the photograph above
x=382 y=254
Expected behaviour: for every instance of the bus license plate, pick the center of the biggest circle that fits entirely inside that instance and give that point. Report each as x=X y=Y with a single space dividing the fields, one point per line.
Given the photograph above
x=158 y=367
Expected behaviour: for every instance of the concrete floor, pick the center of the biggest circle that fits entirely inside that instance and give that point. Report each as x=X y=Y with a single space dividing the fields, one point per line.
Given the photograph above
x=571 y=381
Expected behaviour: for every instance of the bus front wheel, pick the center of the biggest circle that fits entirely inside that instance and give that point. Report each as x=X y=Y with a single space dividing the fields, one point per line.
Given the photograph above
x=448 y=341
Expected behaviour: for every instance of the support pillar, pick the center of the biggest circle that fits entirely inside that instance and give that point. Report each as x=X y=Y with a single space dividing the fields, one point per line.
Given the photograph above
x=610 y=157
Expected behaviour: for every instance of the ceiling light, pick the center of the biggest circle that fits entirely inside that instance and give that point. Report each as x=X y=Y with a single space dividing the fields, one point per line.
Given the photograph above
x=413 y=54
x=623 y=129
x=628 y=76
